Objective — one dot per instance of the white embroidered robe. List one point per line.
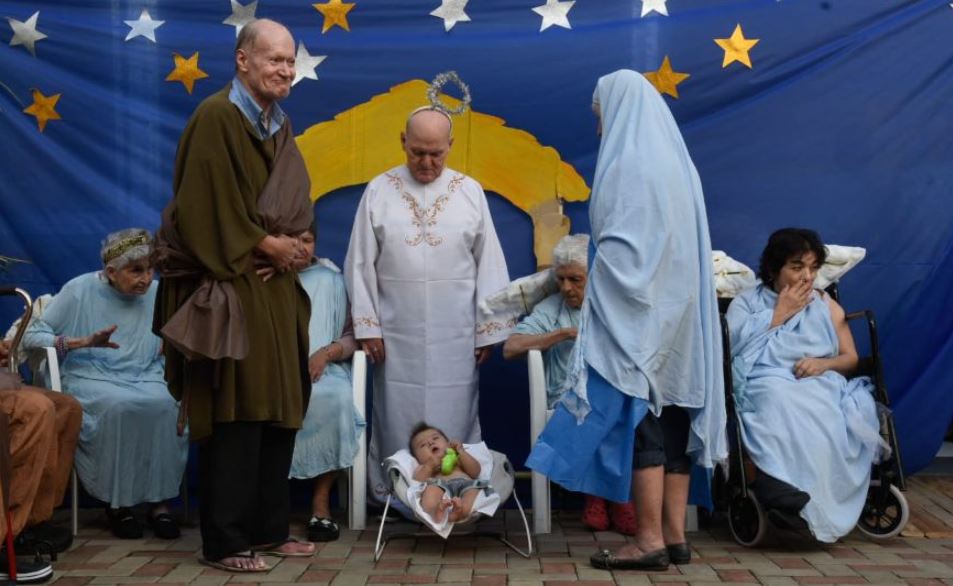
(421, 256)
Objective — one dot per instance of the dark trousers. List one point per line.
(244, 487)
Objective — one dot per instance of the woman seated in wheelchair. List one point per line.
(100, 324)
(811, 432)
(451, 475)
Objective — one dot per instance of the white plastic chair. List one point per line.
(56, 384)
(538, 416)
(357, 473)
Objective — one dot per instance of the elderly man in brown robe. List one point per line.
(230, 308)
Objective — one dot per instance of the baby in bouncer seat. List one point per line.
(450, 473)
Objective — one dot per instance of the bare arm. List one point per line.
(846, 360)
(346, 342)
(427, 470)
(467, 463)
(519, 344)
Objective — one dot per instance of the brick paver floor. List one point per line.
(561, 558)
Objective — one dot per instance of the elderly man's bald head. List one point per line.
(426, 142)
(265, 61)
(428, 120)
(254, 29)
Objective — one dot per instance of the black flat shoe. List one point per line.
(653, 561)
(321, 529)
(784, 519)
(124, 524)
(164, 526)
(679, 553)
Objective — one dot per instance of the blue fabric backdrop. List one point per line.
(843, 124)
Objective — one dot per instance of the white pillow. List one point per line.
(731, 277)
(840, 259)
(519, 297)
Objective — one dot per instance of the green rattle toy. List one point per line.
(449, 461)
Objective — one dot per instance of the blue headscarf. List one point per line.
(649, 322)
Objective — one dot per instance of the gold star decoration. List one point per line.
(736, 48)
(335, 13)
(666, 79)
(44, 108)
(186, 70)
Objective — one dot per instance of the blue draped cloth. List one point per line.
(329, 436)
(649, 332)
(594, 457)
(128, 452)
(649, 322)
(820, 433)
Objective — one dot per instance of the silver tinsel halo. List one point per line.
(433, 92)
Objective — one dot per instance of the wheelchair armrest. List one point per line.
(871, 365)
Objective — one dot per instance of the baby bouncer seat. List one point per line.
(496, 471)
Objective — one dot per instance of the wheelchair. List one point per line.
(886, 510)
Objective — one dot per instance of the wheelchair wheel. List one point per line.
(747, 520)
(887, 519)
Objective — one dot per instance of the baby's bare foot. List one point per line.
(442, 507)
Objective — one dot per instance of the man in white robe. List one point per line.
(423, 252)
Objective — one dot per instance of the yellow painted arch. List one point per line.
(364, 141)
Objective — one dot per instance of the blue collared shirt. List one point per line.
(249, 107)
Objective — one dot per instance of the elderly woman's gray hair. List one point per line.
(572, 249)
(125, 246)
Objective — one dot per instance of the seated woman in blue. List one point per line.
(329, 436)
(552, 327)
(101, 326)
(810, 431)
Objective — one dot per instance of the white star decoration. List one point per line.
(451, 11)
(554, 12)
(25, 33)
(143, 27)
(654, 6)
(241, 15)
(305, 63)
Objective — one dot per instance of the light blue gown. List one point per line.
(549, 315)
(820, 433)
(649, 323)
(332, 428)
(128, 452)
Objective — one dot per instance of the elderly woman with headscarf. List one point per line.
(648, 336)
(100, 324)
(551, 326)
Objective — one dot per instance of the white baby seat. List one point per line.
(495, 468)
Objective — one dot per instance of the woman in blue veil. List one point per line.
(645, 379)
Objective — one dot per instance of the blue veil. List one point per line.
(649, 325)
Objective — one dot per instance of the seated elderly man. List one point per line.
(101, 326)
(551, 327)
(43, 429)
(811, 432)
